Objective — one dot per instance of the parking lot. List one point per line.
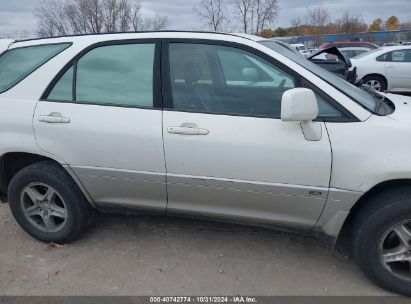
(122, 255)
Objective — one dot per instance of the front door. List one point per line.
(109, 130)
(227, 151)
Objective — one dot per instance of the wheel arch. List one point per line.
(12, 162)
(379, 75)
(364, 201)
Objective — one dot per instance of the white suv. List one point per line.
(204, 124)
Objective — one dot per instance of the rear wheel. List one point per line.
(47, 203)
(382, 240)
(376, 82)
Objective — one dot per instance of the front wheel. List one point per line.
(47, 203)
(382, 240)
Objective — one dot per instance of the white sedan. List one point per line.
(387, 69)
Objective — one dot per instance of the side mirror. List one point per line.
(250, 74)
(299, 104)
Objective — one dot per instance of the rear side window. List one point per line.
(17, 64)
(401, 56)
(63, 90)
(113, 75)
(383, 57)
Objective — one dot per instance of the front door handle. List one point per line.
(390, 67)
(54, 118)
(187, 130)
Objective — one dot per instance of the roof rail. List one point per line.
(132, 32)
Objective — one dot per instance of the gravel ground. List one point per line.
(148, 255)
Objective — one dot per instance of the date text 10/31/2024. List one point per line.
(236, 299)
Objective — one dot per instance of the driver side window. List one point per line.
(225, 80)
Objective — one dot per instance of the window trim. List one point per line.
(157, 96)
(20, 79)
(167, 87)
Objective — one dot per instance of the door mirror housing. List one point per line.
(299, 104)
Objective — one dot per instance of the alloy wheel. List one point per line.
(374, 84)
(395, 250)
(44, 207)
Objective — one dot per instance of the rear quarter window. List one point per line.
(16, 64)
(383, 57)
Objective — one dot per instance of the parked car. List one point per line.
(334, 61)
(390, 44)
(204, 124)
(312, 49)
(301, 48)
(349, 44)
(386, 69)
(330, 59)
(353, 51)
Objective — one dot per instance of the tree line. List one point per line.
(318, 22)
(67, 17)
(258, 16)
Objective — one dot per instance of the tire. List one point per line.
(376, 82)
(375, 235)
(47, 203)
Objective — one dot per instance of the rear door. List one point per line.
(228, 153)
(103, 118)
(398, 69)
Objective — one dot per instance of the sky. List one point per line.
(19, 15)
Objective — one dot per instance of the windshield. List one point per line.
(360, 96)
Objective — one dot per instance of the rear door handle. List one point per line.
(54, 118)
(390, 67)
(183, 130)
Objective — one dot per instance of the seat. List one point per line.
(194, 95)
(184, 95)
